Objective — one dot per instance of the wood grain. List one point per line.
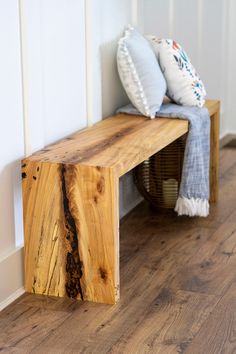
(71, 231)
(120, 142)
(214, 158)
(95, 205)
(217, 335)
(71, 203)
(44, 227)
(161, 309)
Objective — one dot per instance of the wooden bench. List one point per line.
(71, 204)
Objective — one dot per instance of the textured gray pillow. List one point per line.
(140, 73)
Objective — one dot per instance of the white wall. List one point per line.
(55, 33)
(70, 75)
(11, 150)
(108, 21)
(230, 64)
(202, 28)
(56, 105)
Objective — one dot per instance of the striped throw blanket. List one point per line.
(193, 199)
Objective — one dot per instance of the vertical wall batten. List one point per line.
(24, 76)
(171, 17)
(200, 34)
(135, 13)
(89, 61)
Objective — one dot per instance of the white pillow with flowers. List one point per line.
(184, 86)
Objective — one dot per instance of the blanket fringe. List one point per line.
(192, 206)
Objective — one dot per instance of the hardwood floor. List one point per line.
(178, 290)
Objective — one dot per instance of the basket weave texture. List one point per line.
(158, 178)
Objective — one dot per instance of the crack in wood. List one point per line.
(73, 262)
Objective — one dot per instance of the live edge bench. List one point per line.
(71, 204)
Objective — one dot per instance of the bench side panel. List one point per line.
(71, 231)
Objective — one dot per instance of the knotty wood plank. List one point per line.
(71, 204)
(210, 271)
(172, 319)
(24, 327)
(120, 142)
(14, 350)
(71, 231)
(46, 245)
(145, 271)
(217, 335)
(226, 161)
(155, 248)
(53, 303)
(95, 198)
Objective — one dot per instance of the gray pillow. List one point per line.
(140, 73)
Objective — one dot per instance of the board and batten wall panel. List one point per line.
(11, 132)
(230, 64)
(115, 15)
(202, 28)
(185, 26)
(108, 20)
(61, 52)
(11, 150)
(72, 75)
(63, 68)
(214, 54)
(55, 59)
(154, 17)
(55, 97)
(32, 65)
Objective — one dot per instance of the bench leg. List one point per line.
(214, 157)
(98, 210)
(71, 231)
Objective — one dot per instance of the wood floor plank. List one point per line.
(227, 160)
(25, 327)
(14, 350)
(210, 270)
(148, 270)
(218, 334)
(172, 320)
(178, 288)
(49, 302)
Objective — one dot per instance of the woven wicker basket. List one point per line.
(158, 178)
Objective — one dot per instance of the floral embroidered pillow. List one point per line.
(184, 86)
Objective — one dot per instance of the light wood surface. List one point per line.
(120, 142)
(214, 158)
(45, 245)
(71, 231)
(177, 286)
(70, 193)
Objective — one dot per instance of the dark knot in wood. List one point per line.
(73, 263)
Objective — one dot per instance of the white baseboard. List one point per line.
(11, 298)
(11, 276)
(224, 139)
(131, 206)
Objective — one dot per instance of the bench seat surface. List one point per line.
(71, 202)
(120, 142)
